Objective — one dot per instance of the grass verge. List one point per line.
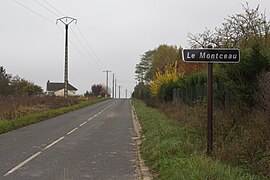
(173, 151)
(9, 125)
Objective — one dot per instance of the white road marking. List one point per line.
(72, 131)
(90, 119)
(53, 143)
(83, 123)
(22, 163)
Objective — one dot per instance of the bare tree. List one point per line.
(202, 40)
(237, 30)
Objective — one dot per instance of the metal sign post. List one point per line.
(210, 56)
(210, 110)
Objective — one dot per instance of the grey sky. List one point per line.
(118, 31)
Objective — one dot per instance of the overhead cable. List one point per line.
(85, 48)
(54, 8)
(35, 12)
(87, 42)
(45, 7)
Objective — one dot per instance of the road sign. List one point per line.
(211, 55)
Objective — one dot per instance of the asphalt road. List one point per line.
(91, 143)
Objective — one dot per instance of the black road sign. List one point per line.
(211, 55)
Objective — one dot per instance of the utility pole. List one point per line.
(126, 93)
(119, 91)
(113, 86)
(107, 71)
(66, 21)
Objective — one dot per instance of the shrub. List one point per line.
(171, 75)
(142, 91)
(166, 91)
(243, 77)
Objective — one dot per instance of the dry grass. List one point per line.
(241, 135)
(244, 140)
(174, 151)
(12, 107)
(33, 116)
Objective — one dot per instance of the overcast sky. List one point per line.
(110, 34)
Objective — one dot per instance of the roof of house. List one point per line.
(55, 86)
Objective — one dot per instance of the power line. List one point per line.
(77, 49)
(90, 47)
(45, 7)
(74, 46)
(94, 56)
(54, 8)
(71, 42)
(60, 29)
(33, 11)
(85, 48)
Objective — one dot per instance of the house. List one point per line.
(57, 89)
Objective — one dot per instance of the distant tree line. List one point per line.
(16, 86)
(97, 90)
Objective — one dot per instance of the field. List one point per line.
(13, 107)
(16, 112)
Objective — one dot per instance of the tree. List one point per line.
(16, 86)
(87, 94)
(163, 56)
(243, 77)
(202, 40)
(142, 91)
(25, 88)
(5, 88)
(237, 31)
(189, 68)
(156, 60)
(98, 90)
(249, 32)
(144, 71)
